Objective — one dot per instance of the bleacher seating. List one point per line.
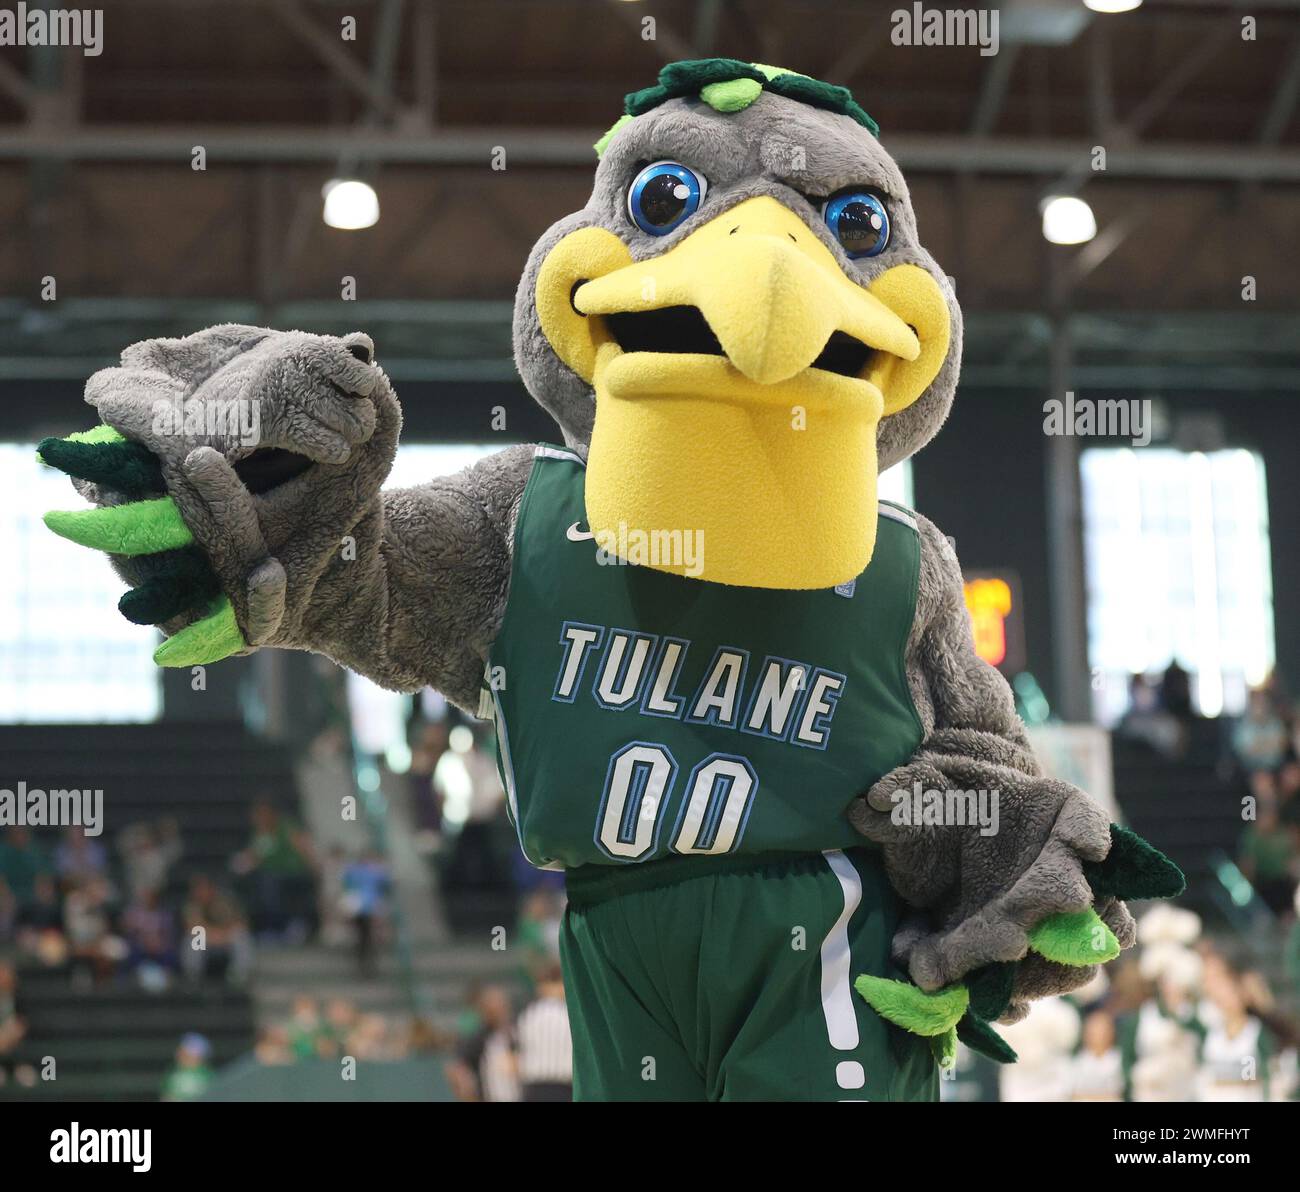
(117, 1041)
(1190, 807)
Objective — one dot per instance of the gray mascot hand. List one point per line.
(986, 890)
(228, 468)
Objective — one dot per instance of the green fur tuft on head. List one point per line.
(732, 96)
(601, 145)
(729, 85)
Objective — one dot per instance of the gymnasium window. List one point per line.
(1177, 555)
(66, 653)
(895, 484)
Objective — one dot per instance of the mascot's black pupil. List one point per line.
(860, 227)
(663, 199)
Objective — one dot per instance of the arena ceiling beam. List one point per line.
(1196, 161)
(457, 342)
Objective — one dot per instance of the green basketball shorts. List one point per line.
(730, 979)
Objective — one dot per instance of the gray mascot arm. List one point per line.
(980, 889)
(237, 475)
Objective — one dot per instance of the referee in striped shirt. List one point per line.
(545, 1045)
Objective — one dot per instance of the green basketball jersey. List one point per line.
(642, 714)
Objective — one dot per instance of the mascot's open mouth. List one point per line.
(684, 329)
(750, 306)
(270, 467)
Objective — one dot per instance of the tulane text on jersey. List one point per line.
(787, 701)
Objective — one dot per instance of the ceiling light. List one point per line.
(1067, 220)
(1112, 5)
(350, 204)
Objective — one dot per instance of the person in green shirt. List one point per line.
(1267, 854)
(22, 862)
(278, 862)
(191, 1076)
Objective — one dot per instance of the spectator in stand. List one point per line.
(223, 949)
(38, 927)
(1176, 692)
(429, 743)
(1236, 1053)
(538, 934)
(484, 1068)
(8, 914)
(1146, 721)
(148, 853)
(13, 1029)
(88, 926)
(278, 863)
(371, 1040)
(341, 1021)
(22, 861)
(150, 933)
(1261, 741)
(545, 1045)
(1267, 854)
(1291, 954)
(366, 886)
(79, 857)
(272, 1047)
(472, 796)
(191, 1075)
(1097, 1071)
(308, 1035)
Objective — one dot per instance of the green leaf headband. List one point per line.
(728, 85)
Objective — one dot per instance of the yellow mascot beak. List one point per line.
(739, 378)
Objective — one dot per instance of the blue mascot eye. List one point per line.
(860, 222)
(663, 195)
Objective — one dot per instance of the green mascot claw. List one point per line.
(990, 989)
(913, 1009)
(1133, 869)
(979, 1036)
(944, 1048)
(169, 584)
(172, 575)
(1080, 938)
(943, 1017)
(137, 528)
(104, 457)
(215, 637)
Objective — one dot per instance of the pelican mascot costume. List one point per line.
(735, 694)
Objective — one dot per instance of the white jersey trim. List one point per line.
(508, 769)
(542, 451)
(902, 516)
(837, 974)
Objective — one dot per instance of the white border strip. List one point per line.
(897, 515)
(541, 451)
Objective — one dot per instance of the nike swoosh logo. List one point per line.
(573, 534)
